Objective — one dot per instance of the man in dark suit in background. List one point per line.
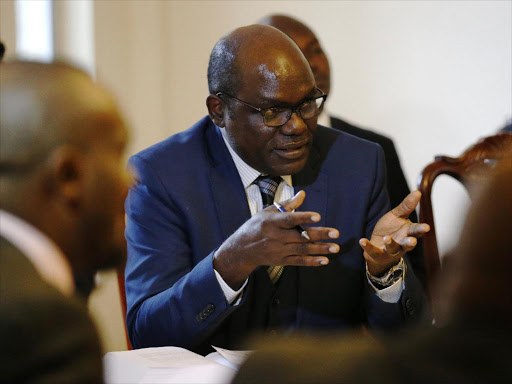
(471, 343)
(395, 179)
(61, 218)
(200, 241)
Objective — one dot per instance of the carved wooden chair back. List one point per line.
(470, 168)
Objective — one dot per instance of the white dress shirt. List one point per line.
(43, 253)
(284, 192)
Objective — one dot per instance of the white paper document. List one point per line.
(163, 365)
(233, 359)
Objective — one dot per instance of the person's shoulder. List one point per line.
(43, 333)
(363, 133)
(180, 145)
(23, 289)
(326, 139)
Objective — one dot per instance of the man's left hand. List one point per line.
(393, 236)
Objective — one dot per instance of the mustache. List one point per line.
(295, 143)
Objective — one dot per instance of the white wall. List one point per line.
(435, 76)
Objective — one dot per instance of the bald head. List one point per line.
(252, 50)
(286, 24)
(45, 105)
(61, 160)
(308, 43)
(258, 68)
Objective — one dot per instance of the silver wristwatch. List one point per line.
(390, 277)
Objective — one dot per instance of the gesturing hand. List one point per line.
(393, 236)
(270, 238)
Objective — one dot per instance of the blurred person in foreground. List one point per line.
(61, 217)
(211, 260)
(472, 341)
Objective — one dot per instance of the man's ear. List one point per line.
(216, 109)
(66, 175)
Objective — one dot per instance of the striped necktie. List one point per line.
(268, 187)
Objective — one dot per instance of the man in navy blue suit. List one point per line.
(208, 264)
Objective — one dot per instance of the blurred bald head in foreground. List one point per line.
(472, 341)
(62, 188)
(61, 148)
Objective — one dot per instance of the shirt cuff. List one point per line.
(392, 293)
(229, 293)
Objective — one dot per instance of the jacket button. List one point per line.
(409, 305)
(207, 311)
(209, 308)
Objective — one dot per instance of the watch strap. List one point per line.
(394, 274)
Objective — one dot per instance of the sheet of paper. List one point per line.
(216, 356)
(165, 363)
(235, 357)
(212, 374)
(163, 357)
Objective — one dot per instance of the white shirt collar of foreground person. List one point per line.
(43, 253)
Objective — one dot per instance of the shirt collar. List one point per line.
(247, 173)
(44, 254)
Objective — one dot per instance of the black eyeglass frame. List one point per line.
(295, 109)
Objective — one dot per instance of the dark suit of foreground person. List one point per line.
(61, 218)
(472, 343)
(189, 217)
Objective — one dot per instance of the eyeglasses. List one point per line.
(277, 116)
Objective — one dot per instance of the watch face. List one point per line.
(395, 275)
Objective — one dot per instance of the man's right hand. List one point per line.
(269, 238)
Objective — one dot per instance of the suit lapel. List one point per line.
(315, 184)
(228, 191)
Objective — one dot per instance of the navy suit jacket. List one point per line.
(396, 183)
(188, 199)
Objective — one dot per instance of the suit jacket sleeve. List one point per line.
(409, 308)
(172, 298)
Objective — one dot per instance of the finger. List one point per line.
(408, 243)
(405, 208)
(312, 248)
(370, 251)
(295, 202)
(417, 229)
(322, 233)
(392, 248)
(292, 219)
(307, 261)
